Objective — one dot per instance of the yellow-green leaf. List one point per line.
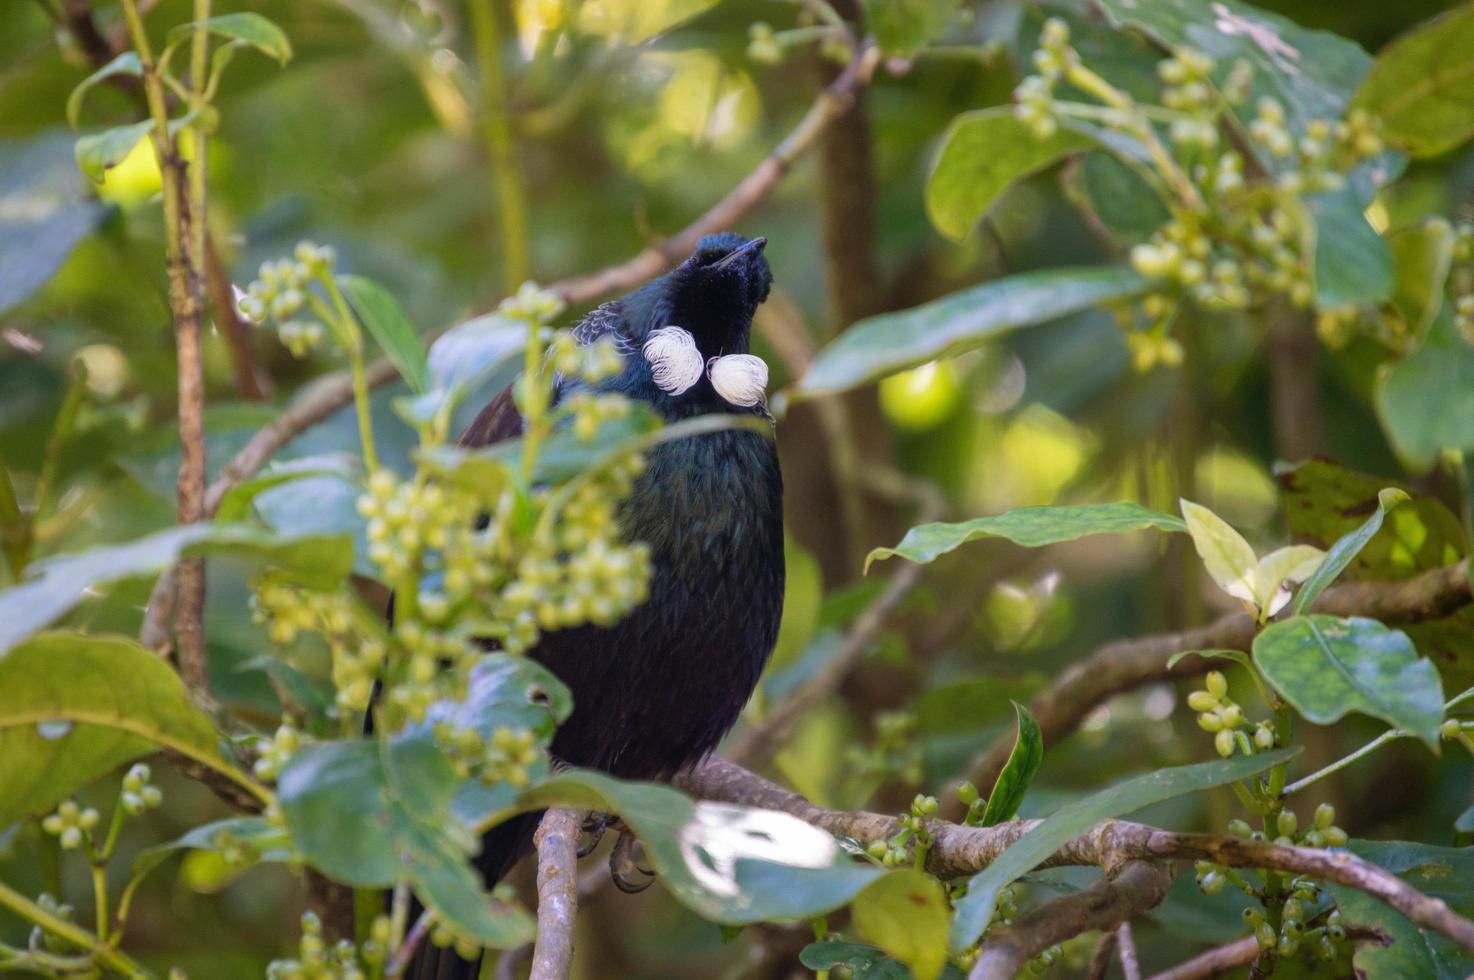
(906, 914)
(983, 154)
(76, 706)
(1229, 559)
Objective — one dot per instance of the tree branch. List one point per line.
(1108, 903)
(959, 851)
(1215, 962)
(1127, 664)
(557, 893)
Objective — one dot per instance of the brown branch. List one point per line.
(961, 851)
(1110, 902)
(832, 103)
(1215, 962)
(1130, 962)
(1124, 665)
(251, 379)
(557, 893)
(412, 940)
(1100, 960)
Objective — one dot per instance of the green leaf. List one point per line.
(250, 28)
(504, 692)
(1120, 200)
(255, 838)
(983, 153)
(1032, 527)
(1069, 821)
(1274, 572)
(126, 63)
(892, 342)
(906, 914)
(1421, 256)
(1228, 558)
(59, 583)
(1327, 666)
(1353, 264)
(469, 351)
(1237, 656)
(1310, 73)
(99, 152)
(318, 504)
(1324, 501)
(37, 236)
(76, 707)
(903, 27)
(391, 834)
(237, 503)
(1422, 85)
(728, 864)
(1439, 872)
(385, 320)
(1013, 782)
(1426, 400)
(1345, 550)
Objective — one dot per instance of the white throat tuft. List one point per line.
(675, 362)
(741, 379)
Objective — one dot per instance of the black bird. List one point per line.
(655, 693)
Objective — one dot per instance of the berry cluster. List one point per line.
(1238, 230)
(281, 290)
(910, 844)
(316, 960)
(1221, 715)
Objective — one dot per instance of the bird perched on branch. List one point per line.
(655, 693)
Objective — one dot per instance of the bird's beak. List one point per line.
(756, 245)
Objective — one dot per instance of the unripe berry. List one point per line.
(1217, 684)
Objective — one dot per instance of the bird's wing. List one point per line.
(601, 321)
(500, 420)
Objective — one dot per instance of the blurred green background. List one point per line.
(631, 118)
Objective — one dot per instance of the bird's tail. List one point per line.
(501, 848)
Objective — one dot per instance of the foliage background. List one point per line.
(369, 142)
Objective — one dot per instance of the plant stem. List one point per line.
(501, 148)
(15, 528)
(1086, 79)
(351, 338)
(99, 898)
(61, 433)
(183, 241)
(57, 926)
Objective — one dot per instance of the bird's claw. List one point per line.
(594, 826)
(625, 869)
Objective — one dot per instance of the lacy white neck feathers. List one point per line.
(676, 365)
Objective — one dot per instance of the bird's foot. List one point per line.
(594, 827)
(626, 865)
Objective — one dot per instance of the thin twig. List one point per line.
(251, 379)
(1130, 962)
(960, 851)
(557, 893)
(1140, 885)
(1100, 960)
(1124, 665)
(1215, 962)
(400, 961)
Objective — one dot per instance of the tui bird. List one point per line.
(656, 692)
